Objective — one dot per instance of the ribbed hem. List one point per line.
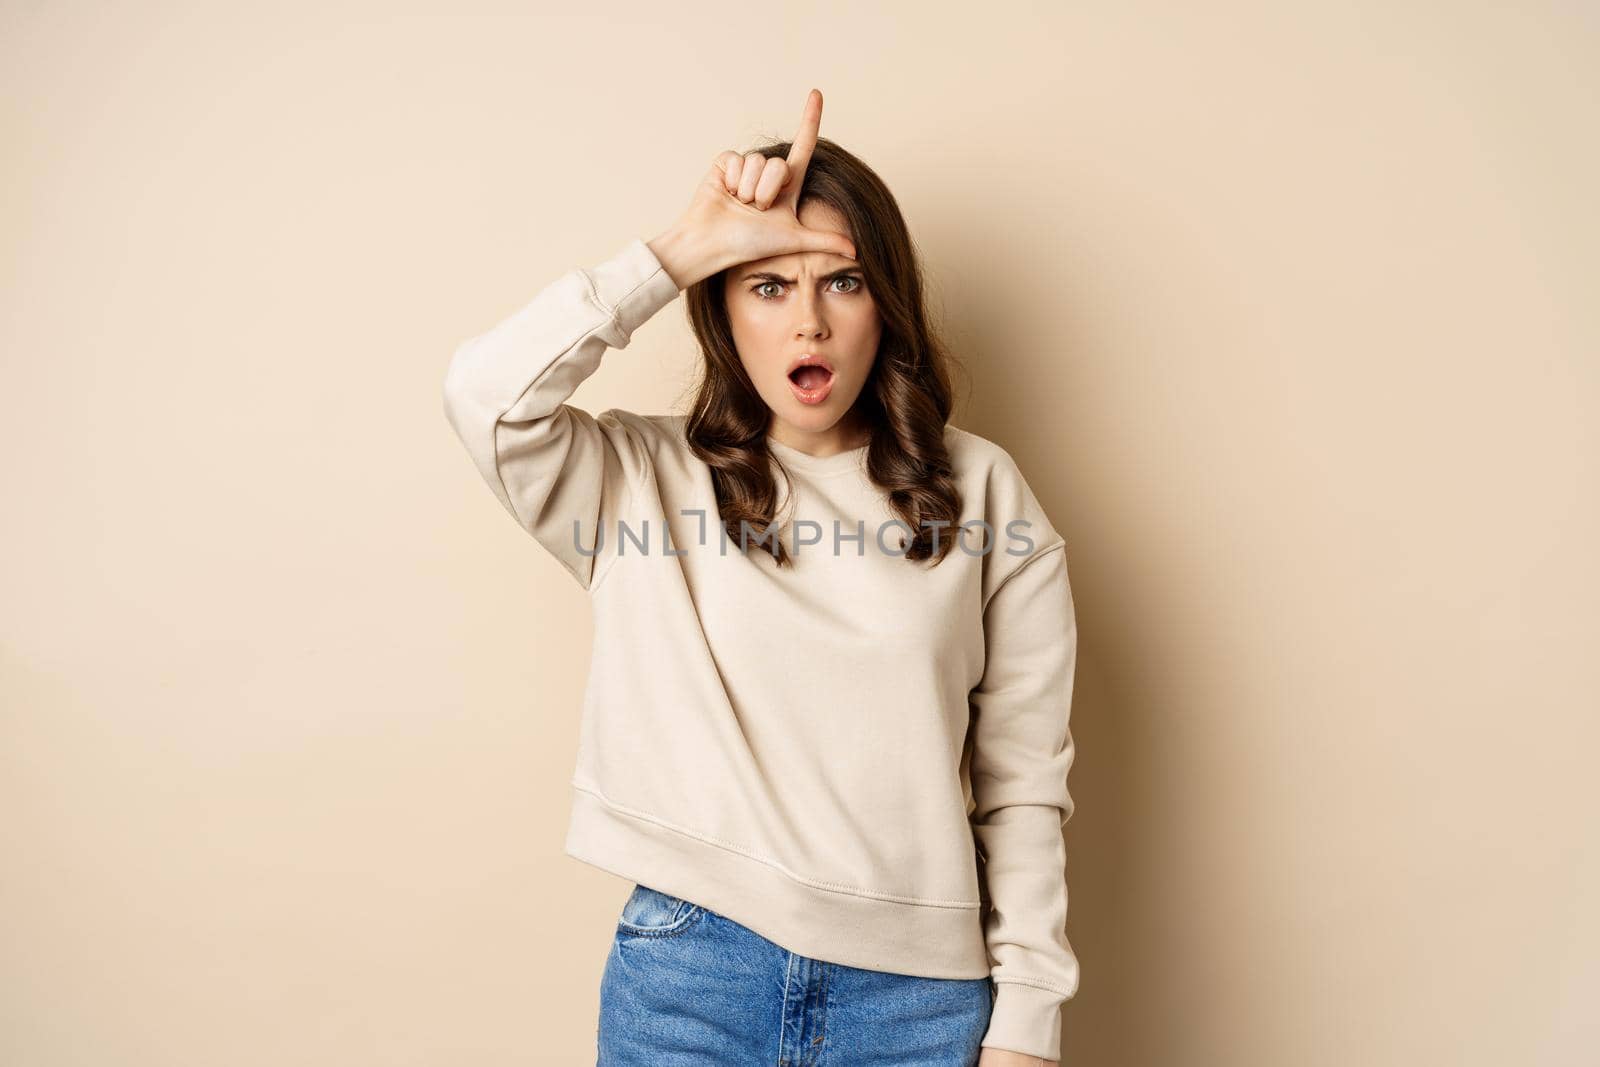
(631, 285)
(932, 941)
(1026, 1019)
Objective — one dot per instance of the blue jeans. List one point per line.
(687, 987)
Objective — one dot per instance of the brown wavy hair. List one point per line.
(905, 402)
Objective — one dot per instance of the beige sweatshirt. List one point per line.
(812, 752)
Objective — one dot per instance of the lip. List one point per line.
(808, 359)
(819, 394)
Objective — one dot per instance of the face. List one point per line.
(805, 303)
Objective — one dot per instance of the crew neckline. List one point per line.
(837, 463)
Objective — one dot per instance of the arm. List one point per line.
(551, 464)
(562, 473)
(1022, 750)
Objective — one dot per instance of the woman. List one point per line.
(809, 699)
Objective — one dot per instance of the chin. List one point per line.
(815, 417)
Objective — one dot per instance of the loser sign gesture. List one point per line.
(747, 208)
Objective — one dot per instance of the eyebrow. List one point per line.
(772, 277)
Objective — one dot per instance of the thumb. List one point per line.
(809, 240)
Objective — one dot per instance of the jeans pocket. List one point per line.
(652, 913)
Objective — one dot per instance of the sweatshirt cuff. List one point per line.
(1025, 1019)
(632, 285)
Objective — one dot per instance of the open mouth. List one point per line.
(811, 377)
(811, 383)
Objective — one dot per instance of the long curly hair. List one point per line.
(905, 402)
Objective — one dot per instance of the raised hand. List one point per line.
(746, 208)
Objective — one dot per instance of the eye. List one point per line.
(855, 286)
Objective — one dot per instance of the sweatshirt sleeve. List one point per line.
(1022, 750)
(560, 472)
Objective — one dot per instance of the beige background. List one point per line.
(1287, 312)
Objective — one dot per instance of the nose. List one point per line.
(811, 324)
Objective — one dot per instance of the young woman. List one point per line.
(825, 731)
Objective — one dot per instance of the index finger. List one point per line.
(805, 139)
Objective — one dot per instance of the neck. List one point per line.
(844, 436)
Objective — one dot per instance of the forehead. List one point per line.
(814, 215)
